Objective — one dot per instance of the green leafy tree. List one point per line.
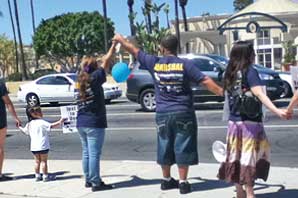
(149, 42)
(65, 39)
(7, 61)
(240, 4)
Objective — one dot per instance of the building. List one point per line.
(269, 24)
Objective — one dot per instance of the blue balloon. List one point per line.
(120, 72)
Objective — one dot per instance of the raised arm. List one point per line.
(57, 123)
(212, 86)
(106, 59)
(126, 45)
(11, 109)
(258, 92)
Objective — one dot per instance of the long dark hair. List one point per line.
(241, 57)
(89, 65)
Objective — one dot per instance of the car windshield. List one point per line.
(74, 77)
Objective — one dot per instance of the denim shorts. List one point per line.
(177, 138)
(40, 152)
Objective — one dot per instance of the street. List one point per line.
(131, 134)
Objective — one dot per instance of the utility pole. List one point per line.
(104, 6)
(177, 25)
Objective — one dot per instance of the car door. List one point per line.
(45, 89)
(64, 89)
(213, 70)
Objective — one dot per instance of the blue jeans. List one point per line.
(92, 140)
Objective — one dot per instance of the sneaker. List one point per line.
(167, 185)
(88, 184)
(37, 179)
(101, 187)
(5, 178)
(46, 179)
(184, 188)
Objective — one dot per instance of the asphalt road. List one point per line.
(131, 135)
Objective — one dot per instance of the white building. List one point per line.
(267, 23)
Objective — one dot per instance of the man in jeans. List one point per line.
(175, 114)
(5, 101)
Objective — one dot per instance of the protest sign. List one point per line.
(70, 114)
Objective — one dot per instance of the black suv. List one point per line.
(140, 87)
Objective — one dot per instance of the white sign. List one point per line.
(294, 73)
(70, 114)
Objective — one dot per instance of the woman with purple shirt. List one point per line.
(248, 149)
(92, 118)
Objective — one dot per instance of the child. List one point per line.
(38, 129)
(293, 103)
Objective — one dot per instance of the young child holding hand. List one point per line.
(38, 129)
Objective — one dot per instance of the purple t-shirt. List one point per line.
(92, 113)
(172, 77)
(252, 80)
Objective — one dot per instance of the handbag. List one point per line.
(248, 104)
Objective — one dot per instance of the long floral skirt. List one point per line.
(248, 153)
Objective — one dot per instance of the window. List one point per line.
(264, 57)
(263, 37)
(205, 64)
(53, 80)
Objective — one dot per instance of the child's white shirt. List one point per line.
(38, 131)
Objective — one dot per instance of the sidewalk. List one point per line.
(134, 179)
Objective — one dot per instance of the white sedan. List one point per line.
(56, 88)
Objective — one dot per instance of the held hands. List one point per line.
(284, 113)
(289, 113)
(18, 122)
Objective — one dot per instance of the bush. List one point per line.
(42, 72)
(15, 77)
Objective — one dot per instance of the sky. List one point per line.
(117, 10)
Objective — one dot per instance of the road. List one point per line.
(131, 135)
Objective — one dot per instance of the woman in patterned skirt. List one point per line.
(248, 149)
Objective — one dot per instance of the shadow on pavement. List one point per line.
(208, 184)
(283, 193)
(136, 181)
(53, 176)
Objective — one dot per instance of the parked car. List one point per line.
(289, 88)
(57, 88)
(140, 87)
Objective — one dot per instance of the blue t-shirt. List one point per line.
(92, 112)
(252, 79)
(172, 77)
(3, 92)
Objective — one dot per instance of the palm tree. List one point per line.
(104, 6)
(14, 37)
(34, 29)
(148, 7)
(131, 16)
(24, 71)
(167, 10)
(183, 3)
(177, 24)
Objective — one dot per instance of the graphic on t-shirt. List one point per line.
(169, 77)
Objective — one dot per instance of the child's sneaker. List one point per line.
(167, 185)
(46, 179)
(37, 179)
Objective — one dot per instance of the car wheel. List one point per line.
(32, 99)
(287, 93)
(147, 100)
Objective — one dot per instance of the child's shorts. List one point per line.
(40, 152)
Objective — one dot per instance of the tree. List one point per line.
(67, 38)
(147, 13)
(149, 42)
(34, 28)
(24, 71)
(167, 11)
(131, 16)
(6, 55)
(14, 37)
(104, 6)
(240, 4)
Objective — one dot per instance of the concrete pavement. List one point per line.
(134, 179)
